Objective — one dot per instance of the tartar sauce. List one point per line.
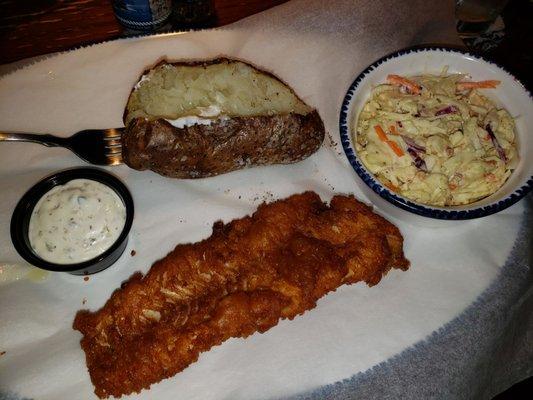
(76, 222)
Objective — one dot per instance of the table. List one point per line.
(29, 31)
(32, 28)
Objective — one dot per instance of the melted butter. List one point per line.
(16, 272)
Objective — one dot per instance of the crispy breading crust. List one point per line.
(248, 275)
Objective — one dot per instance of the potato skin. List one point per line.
(226, 145)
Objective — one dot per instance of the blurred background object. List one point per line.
(34, 27)
(142, 15)
(193, 14)
(30, 28)
(475, 16)
(139, 17)
(506, 36)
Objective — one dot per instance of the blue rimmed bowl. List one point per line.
(510, 94)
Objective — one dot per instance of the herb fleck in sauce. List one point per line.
(76, 222)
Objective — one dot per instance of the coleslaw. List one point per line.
(436, 139)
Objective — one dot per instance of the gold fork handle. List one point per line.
(44, 139)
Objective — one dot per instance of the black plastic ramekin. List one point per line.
(20, 221)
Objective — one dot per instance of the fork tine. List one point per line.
(116, 150)
(113, 146)
(112, 133)
(113, 143)
(96, 146)
(113, 151)
(114, 159)
(106, 138)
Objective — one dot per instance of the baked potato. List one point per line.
(200, 119)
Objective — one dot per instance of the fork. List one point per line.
(96, 146)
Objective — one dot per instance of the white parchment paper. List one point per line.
(318, 48)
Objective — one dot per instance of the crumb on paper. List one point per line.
(84, 301)
(335, 145)
(331, 141)
(85, 278)
(329, 184)
(133, 252)
(2, 353)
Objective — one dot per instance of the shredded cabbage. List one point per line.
(443, 146)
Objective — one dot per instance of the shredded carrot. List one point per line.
(381, 133)
(397, 149)
(477, 85)
(392, 187)
(452, 186)
(401, 81)
(383, 137)
(393, 130)
(490, 177)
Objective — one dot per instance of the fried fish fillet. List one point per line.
(244, 278)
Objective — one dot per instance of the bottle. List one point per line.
(142, 15)
(193, 14)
